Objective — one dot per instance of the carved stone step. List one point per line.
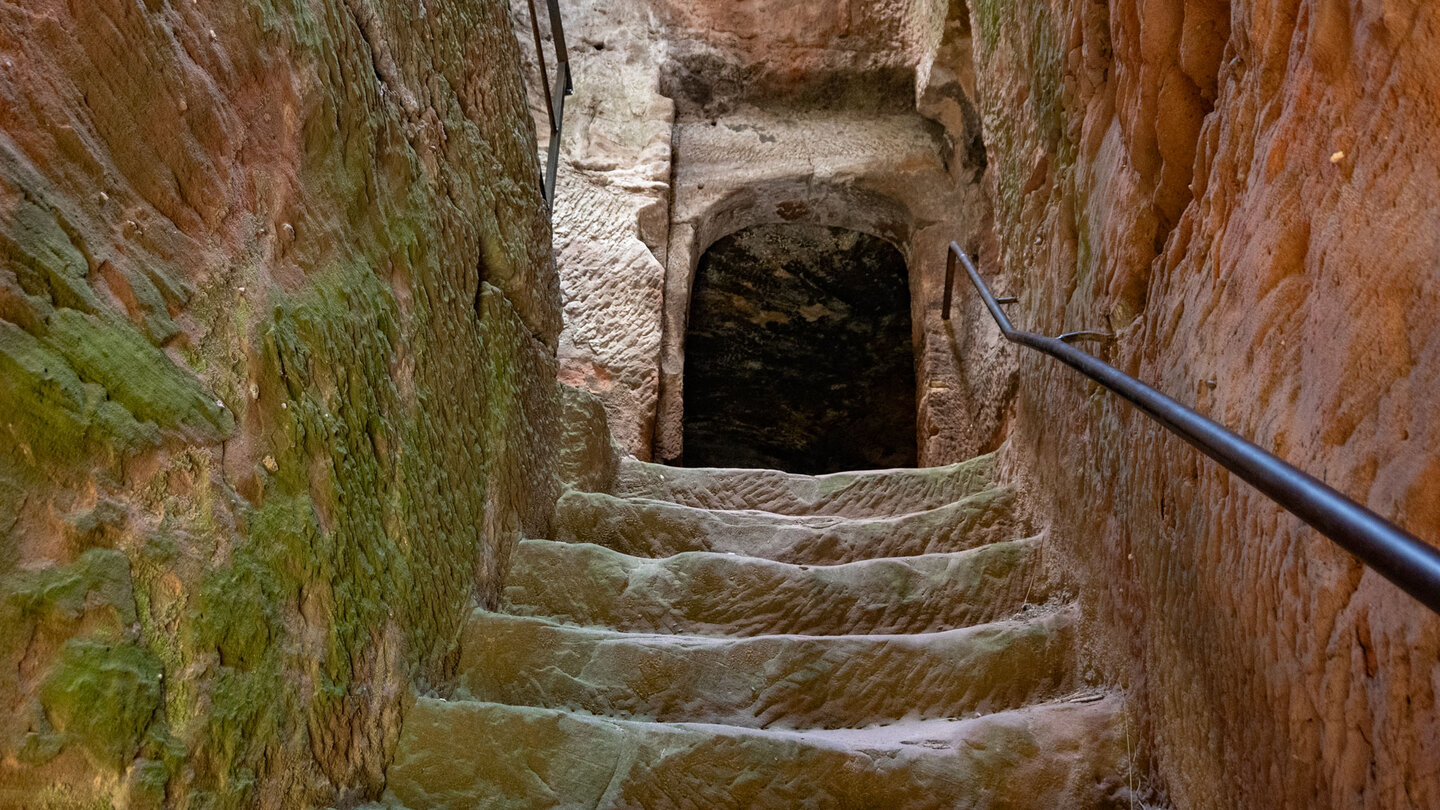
(708, 593)
(872, 493)
(650, 528)
(891, 644)
(464, 754)
(784, 681)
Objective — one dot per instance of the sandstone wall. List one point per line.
(855, 52)
(612, 204)
(277, 385)
(1244, 192)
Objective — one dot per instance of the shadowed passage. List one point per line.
(798, 355)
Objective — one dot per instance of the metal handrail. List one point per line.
(1397, 555)
(555, 93)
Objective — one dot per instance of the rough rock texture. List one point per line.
(461, 754)
(713, 593)
(647, 527)
(862, 53)
(1245, 192)
(798, 353)
(851, 494)
(805, 682)
(277, 331)
(586, 458)
(612, 206)
(734, 680)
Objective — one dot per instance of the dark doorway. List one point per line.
(798, 355)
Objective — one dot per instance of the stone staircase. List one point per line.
(754, 639)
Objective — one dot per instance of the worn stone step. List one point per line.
(781, 680)
(459, 755)
(706, 593)
(651, 528)
(871, 493)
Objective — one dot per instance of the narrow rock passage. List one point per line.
(710, 638)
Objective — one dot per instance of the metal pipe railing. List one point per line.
(555, 92)
(1397, 555)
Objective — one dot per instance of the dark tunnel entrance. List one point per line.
(798, 354)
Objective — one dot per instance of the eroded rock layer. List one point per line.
(712, 593)
(655, 528)
(848, 494)
(487, 755)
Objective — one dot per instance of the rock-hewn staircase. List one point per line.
(754, 639)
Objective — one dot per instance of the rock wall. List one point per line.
(278, 320)
(795, 54)
(612, 205)
(1244, 192)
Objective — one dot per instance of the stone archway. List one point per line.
(707, 213)
(886, 175)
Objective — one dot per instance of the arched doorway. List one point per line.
(798, 353)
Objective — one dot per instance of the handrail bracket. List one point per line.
(1074, 337)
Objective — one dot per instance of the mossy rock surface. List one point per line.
(278, 316)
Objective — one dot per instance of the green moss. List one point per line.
(100, 578)
(158, 612)
(335, 537)
(94, 527)
(155, 317)
(1047, 78)
(278, 17)
(92, 390)
(147, 786)
(248, 711)
(1037, 43)
(238, 607)
(237, 714)
(172, 290)
(81, 696)
(272, 599)
(54, 417)
(1011, 175)
(45, 261)
(137, 375)
(104, 696)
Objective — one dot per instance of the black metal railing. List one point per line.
(1399, 556)
(555, 92)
